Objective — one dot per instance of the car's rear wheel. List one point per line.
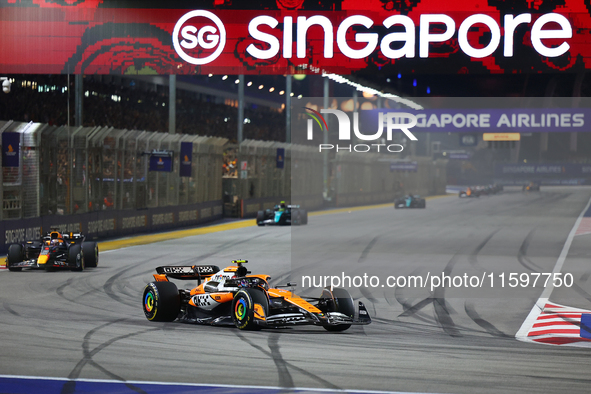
(15, 256)
(243, 308)
(303, 216)
(91, 254)
(161, 301)
(422, 204)
(338, 300)
(76, 258)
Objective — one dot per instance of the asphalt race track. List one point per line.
(90, 325)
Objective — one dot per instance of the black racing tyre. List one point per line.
(91, 254)
(339, 300)
(161, 301)
(243, 308)
(76, 258)
(296, 217)
(303, 216)
(260, 218)
(423, 204)
(15, 255)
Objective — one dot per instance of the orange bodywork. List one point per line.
(160, 278)
(259, 312)
(294, 299)
(198, 290)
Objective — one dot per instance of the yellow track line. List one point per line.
(150, 238)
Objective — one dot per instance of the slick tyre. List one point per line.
(243, 308)
(76, 258)
(260, 218)
(91, 254)
(161, 301)
(296, 217)
(304, 216)
(15, 255)
(423, 204)
(339, 300)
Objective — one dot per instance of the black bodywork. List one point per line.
(53, 251)
(410, 201)
(282, 216)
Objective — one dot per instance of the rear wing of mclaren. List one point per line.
(186, 272)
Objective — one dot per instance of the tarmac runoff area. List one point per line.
(74, 332)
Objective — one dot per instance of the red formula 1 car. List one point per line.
(230, 296)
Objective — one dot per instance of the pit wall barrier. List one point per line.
(108, 224)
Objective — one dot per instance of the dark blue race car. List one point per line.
(282, 215)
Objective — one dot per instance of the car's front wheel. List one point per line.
(338, 300)
(91, 254)
(260, 218)
(244, 308)
(15, 256)
(76, 258)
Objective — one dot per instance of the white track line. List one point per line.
(539, 305)
(230, 386)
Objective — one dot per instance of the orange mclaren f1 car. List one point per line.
(230, 296)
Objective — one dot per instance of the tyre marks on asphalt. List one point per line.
(442, 309)
(10, 310)
(489, 327)
(285, 379)
(282, 366)
(367, 249)
(473, 257)
(522, 254)
(87, 359)
(108, 286)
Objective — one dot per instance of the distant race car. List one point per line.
(410, 201)
(230, 296)
(281, 215)
(531, 187)
(469, 192)
(54, 251)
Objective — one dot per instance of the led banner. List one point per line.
(296, 36)
(505, 121)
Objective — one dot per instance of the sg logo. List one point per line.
(200, 33)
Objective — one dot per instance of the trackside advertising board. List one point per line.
(240, 37)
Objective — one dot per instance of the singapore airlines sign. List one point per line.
(199, 36)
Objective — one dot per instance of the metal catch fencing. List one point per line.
(73, 170)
